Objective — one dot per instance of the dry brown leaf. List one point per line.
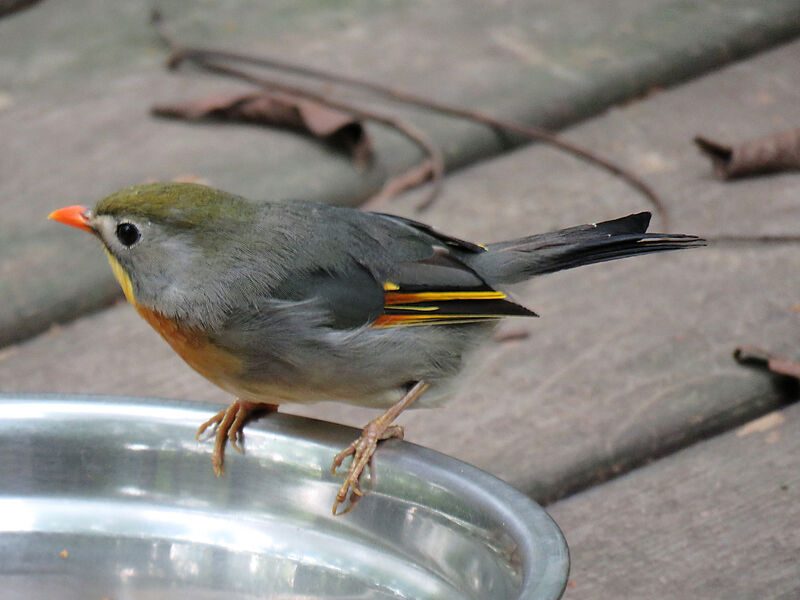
(334, 127)
(776, 364)
(775, 152)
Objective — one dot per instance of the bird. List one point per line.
(297, 301)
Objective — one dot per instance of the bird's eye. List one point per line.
(128, 234)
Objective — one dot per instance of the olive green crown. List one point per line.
(177, 204)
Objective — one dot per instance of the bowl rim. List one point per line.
(527, 523)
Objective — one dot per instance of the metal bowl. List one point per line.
(106, 497)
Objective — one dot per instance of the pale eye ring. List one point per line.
(128, 234)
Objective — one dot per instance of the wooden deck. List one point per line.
(671, 469)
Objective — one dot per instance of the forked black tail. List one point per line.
(520, 259)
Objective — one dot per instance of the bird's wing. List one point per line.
(421, 280)
(441, 290)
(429, 230)
(385, 271)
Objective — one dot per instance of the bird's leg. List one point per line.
(229, 423)
(364, 447)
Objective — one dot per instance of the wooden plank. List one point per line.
(76, 83)
(630, 360)
(718, 520)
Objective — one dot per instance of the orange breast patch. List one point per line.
(195, 348)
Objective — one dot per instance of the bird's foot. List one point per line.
(229, 423)
(364, 447)
(362, 450)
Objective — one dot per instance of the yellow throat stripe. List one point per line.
(122, 277)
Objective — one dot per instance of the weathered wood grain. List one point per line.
(77, 79)
(629, 361)
(718, 520)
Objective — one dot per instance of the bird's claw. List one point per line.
(234, 435)
(339, 458)
(362, 450)
(215, 420)
(217, 464)
(229, 423)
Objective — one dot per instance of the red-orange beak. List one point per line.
(77, 216)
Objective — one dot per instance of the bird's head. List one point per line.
(163, 240)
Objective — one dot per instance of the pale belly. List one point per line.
(359, 387)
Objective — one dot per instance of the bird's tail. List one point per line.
(520, 259)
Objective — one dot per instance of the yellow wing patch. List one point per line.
(392, 299)
(405, 309)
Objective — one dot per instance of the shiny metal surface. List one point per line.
(113, 498)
